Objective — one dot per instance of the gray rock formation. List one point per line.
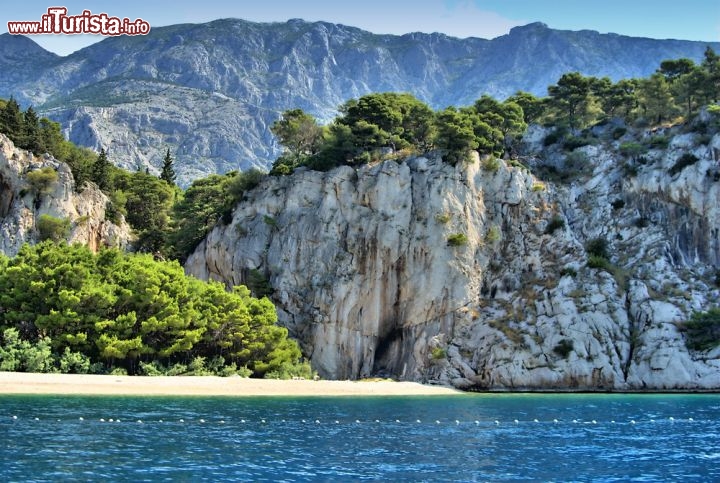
(21, 205)
(372, 279)
(209, 91)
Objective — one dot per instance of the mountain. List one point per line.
(210, 91)
(483, 276)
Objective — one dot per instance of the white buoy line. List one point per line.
(455, 422)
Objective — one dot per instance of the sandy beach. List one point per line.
(27, 383)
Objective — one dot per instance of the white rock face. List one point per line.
(21, 207)
(366, 279)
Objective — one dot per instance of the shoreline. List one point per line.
(91, 384)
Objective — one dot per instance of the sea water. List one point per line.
(474, 437)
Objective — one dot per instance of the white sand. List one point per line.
(26, 383)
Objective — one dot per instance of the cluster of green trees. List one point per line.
(41, 135)
(61, 303)
(389, 122)
(394, 122)
(678, 89)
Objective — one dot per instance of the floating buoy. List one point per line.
(14, 417)
(397, 420)
(222, 421)
(182, 420)
(632, 421)
(691, 419)
(139, 421)
(37, 419)
(102, 420)
(202, 421)
(417, 421)
(317, 421)
(262, 421)
(496, 422)
(555, 421)
(535, 421)
(81, 418)
(594, 422)
(516, 421)
(457, 422)
(671, 418)
(111, 420)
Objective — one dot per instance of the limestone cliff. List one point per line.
(22, 204)
(477, 275)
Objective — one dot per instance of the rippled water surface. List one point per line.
(466, 438)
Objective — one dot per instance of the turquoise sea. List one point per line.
(474, 437)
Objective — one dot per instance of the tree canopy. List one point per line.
(120, 310)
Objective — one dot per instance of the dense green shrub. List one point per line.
(702, 331)
(556, 223)
(457, 239)
(52, 228)
(564, 348)
(120, 310)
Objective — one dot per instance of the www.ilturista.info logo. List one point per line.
(57, 21)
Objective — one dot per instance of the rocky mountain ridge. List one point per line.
(480, 275)
(210, 91)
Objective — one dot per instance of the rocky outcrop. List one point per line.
(477, 275)
(209, 91)
(22, 203)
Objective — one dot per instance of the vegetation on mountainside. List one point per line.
(111, 310)
(702, 331)
(375, 126)
(63, 308)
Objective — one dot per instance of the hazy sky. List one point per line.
(679, 19)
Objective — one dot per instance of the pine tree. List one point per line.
(11, 120)
(32, 135)
(168, 173)
(101, 171)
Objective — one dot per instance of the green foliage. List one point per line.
(597, 247)
(658, 142)
(618, 204)
(573, 100)
(564, 348)
(493, 234)
(687, 159)
(438, 353)
(52, 228)
(601, 263)
(168, 171)
(286, 371)
(258, 284)
(41, 181)
(702, 331)
(632, 150)
(455, 135)
(568, 271)
(146, 202)
(573, 142)
(443, 217)
(20, 355)
(556, 223)
(491, 164)
(205, 203)
(457, 239)
(101, 171)
(120, 310)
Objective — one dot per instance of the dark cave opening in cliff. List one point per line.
(386, 353)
